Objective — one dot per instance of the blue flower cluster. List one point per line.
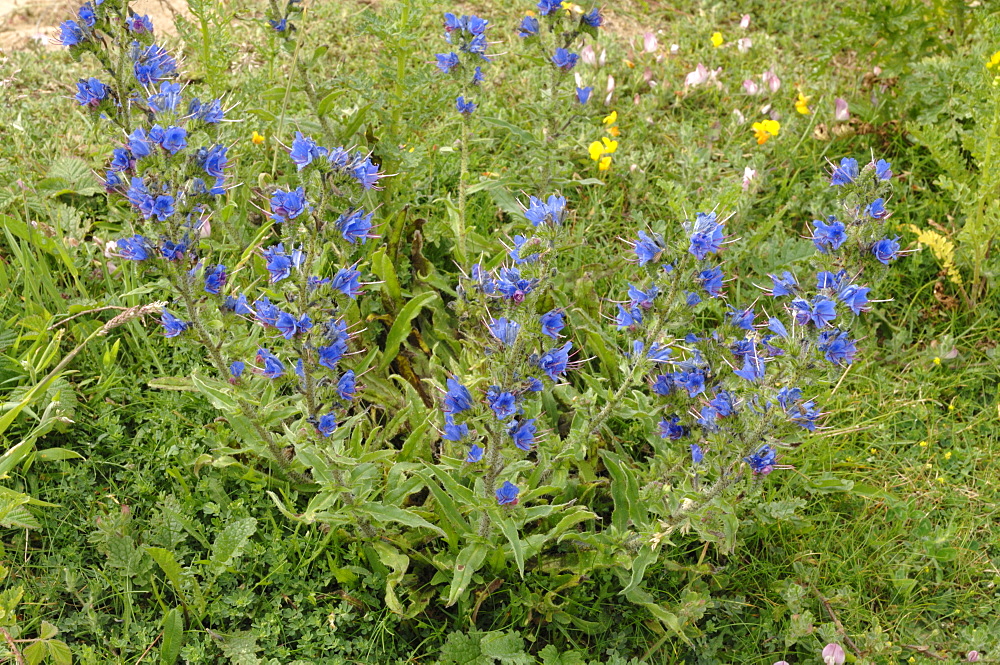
(468, 35)
(358, 166)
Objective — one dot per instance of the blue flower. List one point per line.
(647, 248)
(659, 354)
(327, 424)
(278, 264)
(829, 235)
(640, 298)
(86, 14)
(152, 64)
(663, 384)
(883, 170)
(552, 323)
(453, 432)
(265, 311)
(788, 396)
(753, 366)
(505, 331)
(163, 207)
(836, 347)
(507, 494)
(167, 98)
(477, 76)
(593, 18)
(805, 415)
(820, 312)
(551, 211)
(236, 369)
(511, 285)
(121, 160)
(777, 327)
(304, 150)
(365, 171)
(347, 282)
(691, 298)
(347, 385)
(628, 317)
(71, 34)
(172, 326)
(288, 205)
(139, 24)
(762, 461)
(876, 209)
(135, 248)
(447, 61)
(555, 361)
(706, 236)
(784, 285)
(457, 398)
(502, 403)
(583, 94)
(331, 354)
(90, 92)
(273, 368)
(741, 318)
(213, 160)
(453, 23)
(355, 225)
(528, 27)
(830, 280)
(289, 327)
(215, 279)
(464, 107)
(475, 454)
(723, 403)
(845, 173)
(692, 380)
(549, 7)
(112, 182)
(697, 455)
(886, 250)
(711, 280)
(475, 25)
(855, 297)
(174, 251)
(238, 305)
(564, 60)
(707, 417)
(534, 385)
(139, 144)
(523, 433)
(174, 139)
(279, 25)
(210, 113)
(671, 429)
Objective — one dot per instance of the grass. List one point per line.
(883, 537)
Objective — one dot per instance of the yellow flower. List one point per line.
(596, 150)
(937, 361)
(613, 131)
(257, 138)
(529, 13)
(612, 118)
(765, 129)
(601, 151)
(604, 164)
(572, 8)
(993, 61)
(629, 63)
(923, 444)
(609, 145)
(947, 455)
(943, 250)
(802, 104)
(717, 39)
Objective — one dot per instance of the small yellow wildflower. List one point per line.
(572, 8)
(765, 129)
(611, 118)
(717, 39)
(613, 131)
(629, 63)
(922, 444)
(951, 407)
(941, 479)
(802, 104)
(601, 151)
(530, 13)
(257, 138)
(604, 164)
(943, 250)
(937, 361)
(947, 455)
(993, 61)
(873, 450)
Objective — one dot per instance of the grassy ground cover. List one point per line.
(883, 536)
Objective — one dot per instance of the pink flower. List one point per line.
(972, 656)
(833, 654)
(588, 56)
(751, 87)
(611, 90)
(745, 23)
(697, 77)
(743, 44)
(649, 43)
(748, 175)
(840, 111)
(739, 117)
(771, 80)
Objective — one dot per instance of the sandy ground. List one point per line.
(24, 23)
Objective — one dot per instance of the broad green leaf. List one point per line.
(229, 545)
(398, 562)
(172, 383)
(646, 556)
(401, 327)
(513, 537)
(467, 563)
(59, 652)
(218, 393)
(619, 490)
(173, 636)
(382, 513)
(54, 454)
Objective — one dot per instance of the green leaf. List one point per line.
(217, 392)
(622, 482)
(35, 653)
(516, 547)
(60, 652)
(54, 454)
(386, 273)
(398, 562)
(524, 138)
(467, 563)
(173, 636)
(172, 383)
(827, 483)
(326, 103)
(646, 556)
(508, 648)
(47, 631)
(382, 513)
(401, 327)
(229, 545)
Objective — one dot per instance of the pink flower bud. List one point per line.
(745, 23)
(751, 87)
(588, 56)
(748, 175)
(743, 44)
(833, 654)
(611, 90)
(649, 43)
(972, 656)
(840, 111)
(772, 80)
(603, 58)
